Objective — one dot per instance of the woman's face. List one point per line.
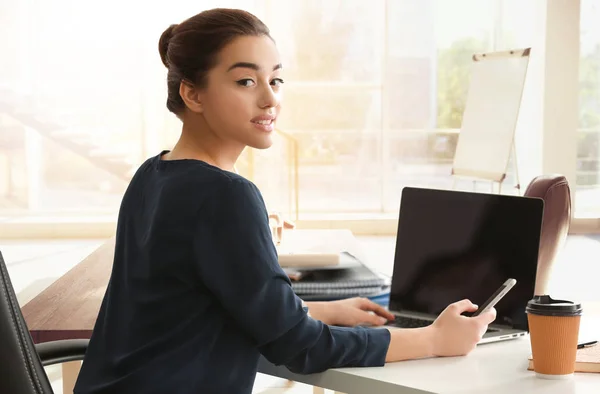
(242, 98)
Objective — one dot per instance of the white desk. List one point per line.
(496, 368)
(491, 368)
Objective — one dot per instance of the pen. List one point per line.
(586, 344)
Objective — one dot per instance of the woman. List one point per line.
(196, 292)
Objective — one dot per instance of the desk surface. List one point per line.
(492, 368)
(68, 309)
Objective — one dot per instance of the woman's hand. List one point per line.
(457, 335)
(450, 335)
(349, 312)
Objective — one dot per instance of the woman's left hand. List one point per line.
(349, 312)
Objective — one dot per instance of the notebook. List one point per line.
(337, 280)
(379, 295)
(588, 360)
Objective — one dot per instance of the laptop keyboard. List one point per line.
(409, 322)
(413, 322)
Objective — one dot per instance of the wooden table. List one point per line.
(68, 308)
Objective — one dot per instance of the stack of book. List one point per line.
(322, 266)
(346, 279)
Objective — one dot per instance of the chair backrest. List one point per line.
(555, 191)
(20, 366)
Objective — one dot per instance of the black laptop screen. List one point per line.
(453, 245)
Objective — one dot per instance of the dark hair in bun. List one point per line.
(189, 49)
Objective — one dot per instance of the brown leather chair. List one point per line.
(554, 190)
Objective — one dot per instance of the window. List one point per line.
(374, 97)
(430, 44)
(333, 99)
(588, 137)
(82, 102)
(375, 101)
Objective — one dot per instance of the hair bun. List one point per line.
(163, 44)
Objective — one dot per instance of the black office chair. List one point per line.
(22, 362)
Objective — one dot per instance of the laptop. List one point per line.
(453, 245)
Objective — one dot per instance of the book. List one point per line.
(308, 259)
(309, 249)
(588, 360)
(380, 295)
(346, 280)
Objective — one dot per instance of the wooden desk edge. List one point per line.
(40, 336)
(35, 311)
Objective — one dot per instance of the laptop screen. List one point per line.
(453, 245)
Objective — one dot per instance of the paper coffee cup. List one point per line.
(554, 331)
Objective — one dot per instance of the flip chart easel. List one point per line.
(486, 138)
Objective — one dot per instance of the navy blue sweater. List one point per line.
(196, 294)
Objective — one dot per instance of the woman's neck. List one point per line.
(203, 145)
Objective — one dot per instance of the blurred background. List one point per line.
(374, 97)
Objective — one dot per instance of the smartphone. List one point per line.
(497, 296)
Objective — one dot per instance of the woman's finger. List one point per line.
(368, 305)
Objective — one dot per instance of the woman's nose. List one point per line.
(269, 98)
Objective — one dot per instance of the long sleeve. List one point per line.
(241, 269)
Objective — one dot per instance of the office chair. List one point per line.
(554, 190)
(22, 362)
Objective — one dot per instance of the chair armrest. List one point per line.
(56, 352)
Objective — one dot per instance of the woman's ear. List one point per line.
(189, 95)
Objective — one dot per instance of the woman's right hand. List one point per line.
(456, 335)
(451, 334)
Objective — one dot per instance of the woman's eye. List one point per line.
(245, 82)
(277, 82)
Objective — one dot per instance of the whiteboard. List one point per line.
(490, 117)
